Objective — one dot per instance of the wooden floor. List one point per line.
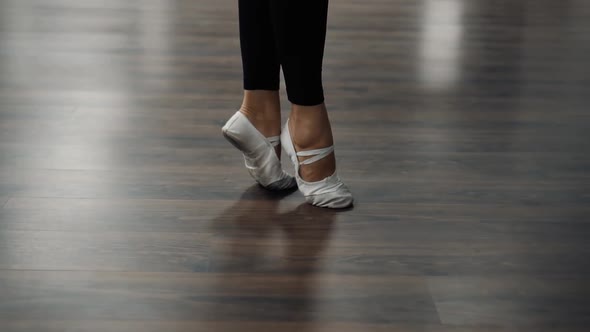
(462, 127)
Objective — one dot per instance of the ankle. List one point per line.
(310, 127)
(263, 110)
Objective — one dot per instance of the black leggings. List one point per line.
(284, 33)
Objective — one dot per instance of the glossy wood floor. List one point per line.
(462, 126)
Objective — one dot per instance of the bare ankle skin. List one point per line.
(263, 109)
(310, 129)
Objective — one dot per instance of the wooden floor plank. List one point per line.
(106, 251)
(535, 302)
(215, 297)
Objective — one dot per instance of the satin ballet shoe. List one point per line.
(329, 192)
(259, 153)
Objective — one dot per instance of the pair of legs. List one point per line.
(289, 34)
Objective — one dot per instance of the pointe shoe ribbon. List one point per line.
(330, 192)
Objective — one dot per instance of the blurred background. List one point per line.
(462, 127)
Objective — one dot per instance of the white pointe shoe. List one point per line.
(329, 192)
(259, 153)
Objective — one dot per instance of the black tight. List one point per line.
(284, 33)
